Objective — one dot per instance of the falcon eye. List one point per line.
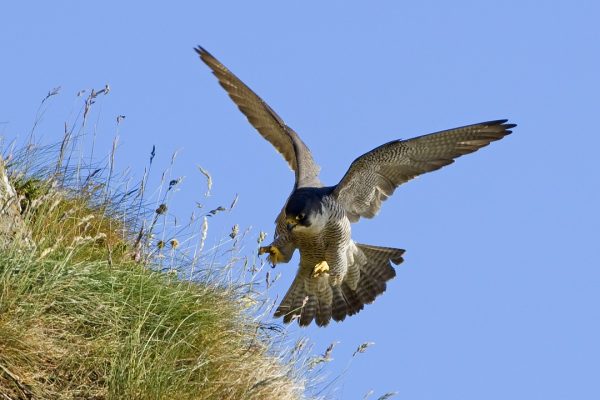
(300, 216)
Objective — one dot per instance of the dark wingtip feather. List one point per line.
(206, 57)
(201, 50)
(397, 258)
(502, 122)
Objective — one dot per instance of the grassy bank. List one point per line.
(93, 330)
(86, 312)
(81, 318)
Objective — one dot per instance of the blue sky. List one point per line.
(498, 295)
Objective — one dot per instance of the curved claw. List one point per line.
(275, 255)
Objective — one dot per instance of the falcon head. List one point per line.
(304, 208)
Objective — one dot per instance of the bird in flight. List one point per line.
(338, 276)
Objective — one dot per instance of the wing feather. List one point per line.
(374, 176)
(266, 122)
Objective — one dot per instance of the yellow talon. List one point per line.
(320, 269)
(275, 255)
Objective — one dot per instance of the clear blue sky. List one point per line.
(499, 295)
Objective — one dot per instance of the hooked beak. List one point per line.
(290, 224)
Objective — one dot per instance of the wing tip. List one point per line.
(204, 54)
(502, 122)
(200, 50)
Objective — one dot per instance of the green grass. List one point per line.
(86, 311)
(79, 318)
(91, 330)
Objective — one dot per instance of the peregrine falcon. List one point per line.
(338, 276)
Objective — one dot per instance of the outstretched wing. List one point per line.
(266, 122)
(374, 176)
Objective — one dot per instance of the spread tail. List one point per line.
(314, 298)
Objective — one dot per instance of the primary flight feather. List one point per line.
(338, 276)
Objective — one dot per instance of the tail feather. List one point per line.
(307, 301)
(374, 274)
(369, 288)
(324, 301)
(307, 313)
(338, 307)
(353, 303)
(379, 258)
(291, 304)
(323, 311)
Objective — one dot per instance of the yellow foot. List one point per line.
(320, 269)
(275, 255)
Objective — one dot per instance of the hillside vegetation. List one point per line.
(87, 313)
